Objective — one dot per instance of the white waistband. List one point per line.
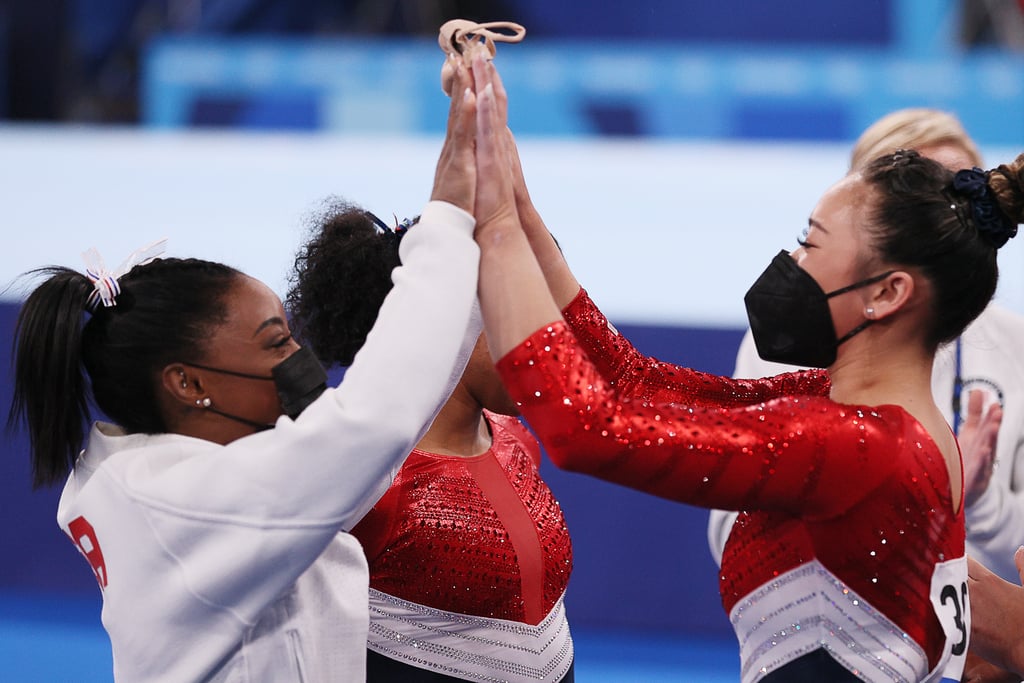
(808, 608)
(469, 647)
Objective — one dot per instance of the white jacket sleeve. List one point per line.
(244, 520)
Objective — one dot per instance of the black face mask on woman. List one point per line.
(790, 318)
(299, 379)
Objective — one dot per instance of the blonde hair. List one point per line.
(911, 129)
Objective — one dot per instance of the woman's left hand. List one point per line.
(978, 444)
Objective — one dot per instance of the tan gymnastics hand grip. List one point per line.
(461, 37)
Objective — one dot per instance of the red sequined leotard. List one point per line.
(469, 559)
(849, 563)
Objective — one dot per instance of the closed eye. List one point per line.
(280, 344)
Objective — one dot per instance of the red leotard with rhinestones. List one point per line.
(850, 545)
(480, 535)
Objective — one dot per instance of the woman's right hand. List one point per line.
(978, 439)
(495, 196)
(455, 176)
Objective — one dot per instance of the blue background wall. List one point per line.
(579, 88)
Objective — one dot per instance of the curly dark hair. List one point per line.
(339, 281)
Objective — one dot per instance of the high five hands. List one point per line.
(475, 168)
(514, 294)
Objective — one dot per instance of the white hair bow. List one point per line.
(105, 281)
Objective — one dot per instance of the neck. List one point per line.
(880, 371)
(460, 428)
(875, 369)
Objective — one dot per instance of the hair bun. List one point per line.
(992, 224)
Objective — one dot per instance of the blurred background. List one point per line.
(673, 147)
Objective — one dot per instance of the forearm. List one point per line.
(420, 343)
(701, 456)
(561, 282)
(514, 295)
(638, 376)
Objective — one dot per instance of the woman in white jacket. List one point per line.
(213, 514)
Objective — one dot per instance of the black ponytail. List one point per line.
(50, 388)
(63, 354)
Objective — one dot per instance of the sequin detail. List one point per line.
(482, 535)
(470, 648)
(862, 490)
(641, 377)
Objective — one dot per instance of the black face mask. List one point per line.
(790, 318)
(299, 378)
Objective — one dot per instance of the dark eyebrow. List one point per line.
(811, 223)
(267, 323)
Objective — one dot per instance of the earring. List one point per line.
(204, 403)
(184, 382)
(869, 312)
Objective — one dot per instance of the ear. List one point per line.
(181, 384)
(889, 295)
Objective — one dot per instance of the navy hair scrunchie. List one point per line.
(990, 220)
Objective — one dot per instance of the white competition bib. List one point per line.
(952, 607)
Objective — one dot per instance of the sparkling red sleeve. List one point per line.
(642, 377)
(801, 454)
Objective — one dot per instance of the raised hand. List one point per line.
(978, 444)
(495, 197)
(514, 296)
(455, 178)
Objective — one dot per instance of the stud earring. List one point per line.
(205, 402)
(869, 312)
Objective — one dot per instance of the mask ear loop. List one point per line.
(870, 312)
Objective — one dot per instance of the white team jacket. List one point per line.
(231, 563)
(990, 361)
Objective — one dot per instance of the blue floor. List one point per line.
(55, 640)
